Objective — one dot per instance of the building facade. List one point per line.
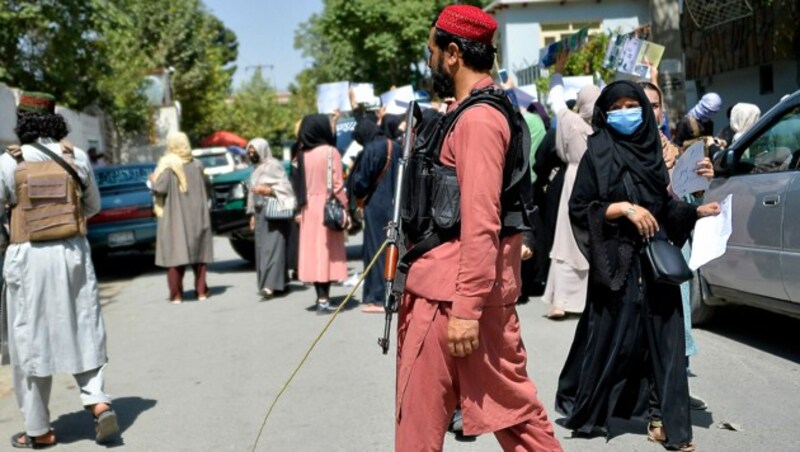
(526, 26)
(753, 58)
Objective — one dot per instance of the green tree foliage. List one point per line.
(100, 51)
(369, 40)
(184, 36)
(254, 111)
(585, 61)
(49, 46)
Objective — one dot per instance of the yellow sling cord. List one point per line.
(314, 344)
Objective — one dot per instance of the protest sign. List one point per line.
(530, 90)
(574, 84)
(397, 100)
(364, 93)
(628, 54)
(713, 233)
(547, 55)
(685, 179)
(332, 96)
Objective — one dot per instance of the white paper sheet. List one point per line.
(685, 179)
(396, 101)
(331, 96)
(364, 92)
(574, 84)
(711, 235)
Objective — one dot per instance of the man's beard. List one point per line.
(443, 84)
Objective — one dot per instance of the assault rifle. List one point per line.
(413, 118)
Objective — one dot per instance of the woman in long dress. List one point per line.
(184, 234)
(628, 353)
(322, 255)
(567, 279)
(269, 185)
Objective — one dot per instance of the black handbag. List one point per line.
(334, 217)
(666, 261)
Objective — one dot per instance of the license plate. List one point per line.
(121, 239)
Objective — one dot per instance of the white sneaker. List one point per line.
(352, 281)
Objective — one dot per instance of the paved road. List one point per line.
(199, 376)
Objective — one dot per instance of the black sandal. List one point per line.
(106, 426)
(30, 442)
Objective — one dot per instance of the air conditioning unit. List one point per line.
(713, 13)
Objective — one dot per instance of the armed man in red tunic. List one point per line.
(459, 338)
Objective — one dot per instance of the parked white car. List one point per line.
(217, 160)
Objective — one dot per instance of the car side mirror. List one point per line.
(724, 162)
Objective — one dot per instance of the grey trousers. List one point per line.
(33, 396)
(271, 252)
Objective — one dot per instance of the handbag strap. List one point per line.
(61, 162)
(330, 174)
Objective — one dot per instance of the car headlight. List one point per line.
(238, 192)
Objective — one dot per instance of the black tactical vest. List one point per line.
(431, 201)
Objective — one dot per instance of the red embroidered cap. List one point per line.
(468, 22)
(37, 102)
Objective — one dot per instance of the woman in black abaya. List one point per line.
(628, 352)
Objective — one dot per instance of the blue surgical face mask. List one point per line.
(625, 121)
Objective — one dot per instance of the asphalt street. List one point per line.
(201, 375)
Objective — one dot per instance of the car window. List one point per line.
(212, 161)
(777, 149)
(120, 176)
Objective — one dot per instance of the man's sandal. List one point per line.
(30, 442)
(655, 433)
(106, 426)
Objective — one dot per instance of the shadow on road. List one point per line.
(619, 427)
(231, 266)
(78, 426)
(123, 265)
(772, 333)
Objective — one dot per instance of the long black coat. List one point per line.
(629, 346)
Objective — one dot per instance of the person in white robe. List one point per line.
(54, 319)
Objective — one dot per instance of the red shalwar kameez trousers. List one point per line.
(474, 277)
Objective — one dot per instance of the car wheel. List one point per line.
(701, 312)
(246, 249)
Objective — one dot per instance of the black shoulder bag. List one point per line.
(666, 262)
(334, 216)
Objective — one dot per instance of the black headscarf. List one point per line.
(315, 130)
(538, 109)
(391, 125)
(366, 131)
(640, 153)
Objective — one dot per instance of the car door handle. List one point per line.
(771, 200)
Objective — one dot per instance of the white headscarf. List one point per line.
(271, 172)
(574, 127)
(743, 116)
(709, 104)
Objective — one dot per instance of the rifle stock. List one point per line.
(413, 118)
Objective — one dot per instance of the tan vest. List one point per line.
(48, 200)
